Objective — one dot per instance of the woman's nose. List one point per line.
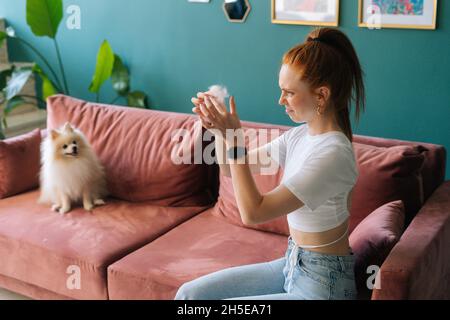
(281, 101)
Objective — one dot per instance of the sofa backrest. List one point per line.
(135, 146)
(385, 175)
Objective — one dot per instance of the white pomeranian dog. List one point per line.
(70, 171)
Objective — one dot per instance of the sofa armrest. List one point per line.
(418, 267)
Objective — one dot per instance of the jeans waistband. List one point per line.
(345, 262)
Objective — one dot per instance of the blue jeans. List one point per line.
(300, 275)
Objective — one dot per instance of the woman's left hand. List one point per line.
(219, 117)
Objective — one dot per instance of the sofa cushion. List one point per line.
(44, 249)
(19, 163)
(387, 174)
(433, 170)
(204, 244)
(226, 205)
(373, 239)
(137, 150)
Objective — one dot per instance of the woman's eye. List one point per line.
(65, 146)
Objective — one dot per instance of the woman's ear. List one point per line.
(323, 95)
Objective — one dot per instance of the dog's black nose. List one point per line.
(75, 149)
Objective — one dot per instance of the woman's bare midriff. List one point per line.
(341, 248)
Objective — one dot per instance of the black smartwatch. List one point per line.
(236, 152)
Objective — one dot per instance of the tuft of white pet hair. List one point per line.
(220, 92)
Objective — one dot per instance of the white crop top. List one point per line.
(321, 171)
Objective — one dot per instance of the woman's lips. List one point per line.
(288, 110)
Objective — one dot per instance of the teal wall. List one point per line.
(175, 48)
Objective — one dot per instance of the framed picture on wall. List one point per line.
(406, 14)
(306, 12)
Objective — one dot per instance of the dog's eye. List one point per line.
(65, 146)
(74, 142)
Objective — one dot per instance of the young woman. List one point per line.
(318, 79)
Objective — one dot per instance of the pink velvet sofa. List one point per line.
(166, 223)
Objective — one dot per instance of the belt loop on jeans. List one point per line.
(292, 264)
(342, 264)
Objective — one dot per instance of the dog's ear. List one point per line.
(54, 134)
(68, 127)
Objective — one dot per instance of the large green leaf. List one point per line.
(137, 99)
(120, 77)
(104, 67)
(18, 80)
(44, 16)
(48, 88)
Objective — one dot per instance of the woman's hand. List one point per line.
(214, 114)
(200, 110)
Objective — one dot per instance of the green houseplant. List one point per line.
(44, 18)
